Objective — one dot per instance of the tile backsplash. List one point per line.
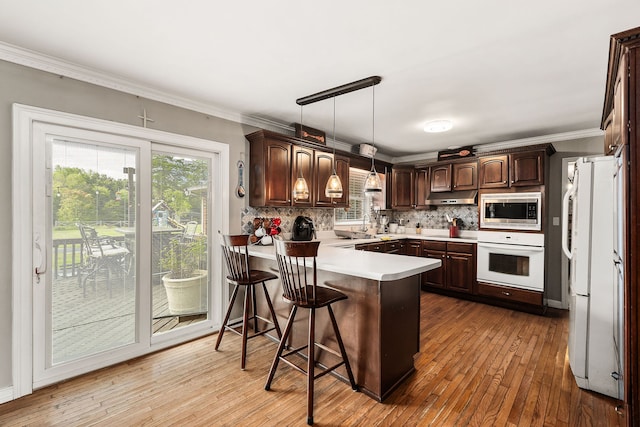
(323, 218)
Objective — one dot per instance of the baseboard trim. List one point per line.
(555, 304)
(6, 394)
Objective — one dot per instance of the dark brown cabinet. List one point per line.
(518, 169)
(441, 178)
(527, 168)
(302, 163)
(403, 184)
(410, 188)
(413, 247)
(615, 129)
(275, 164)
(268, 185)
(494, 171)
(458, 270)
(465, 176)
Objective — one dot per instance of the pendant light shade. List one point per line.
(300, 188)
(373, 184)
(334, 185)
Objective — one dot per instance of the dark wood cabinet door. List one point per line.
(441, 178)
(493, 172)
(277, 183)
(460, 272)
(342, 169)
(527, 168)
(465, 176)
(403, 188)
(422, 187)
(302, 161)
(437, 277)
(413, 248)
(323, 169)
(616, 128)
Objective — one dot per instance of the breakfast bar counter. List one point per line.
(380, 320)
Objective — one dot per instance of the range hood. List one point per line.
(453, 198)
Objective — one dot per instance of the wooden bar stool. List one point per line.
(299, 283)
(240, 274)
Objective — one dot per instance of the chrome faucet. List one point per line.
(364, 223)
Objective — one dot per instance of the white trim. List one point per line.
(39, 61)
(565, 136)
(555, 304)
(6, 394)
(24, 118)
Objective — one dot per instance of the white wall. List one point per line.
(37, 88)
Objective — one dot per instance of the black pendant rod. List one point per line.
(340, 90)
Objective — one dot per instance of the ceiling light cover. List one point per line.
(373, 184)
(436, 126)
(301, 189)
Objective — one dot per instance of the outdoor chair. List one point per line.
(297, 266)
(240, 274)
(100, 253)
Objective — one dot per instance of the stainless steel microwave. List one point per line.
(511, 211)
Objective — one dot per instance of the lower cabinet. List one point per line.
(458, 270)
(514, 295)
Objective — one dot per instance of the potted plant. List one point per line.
(185, 283)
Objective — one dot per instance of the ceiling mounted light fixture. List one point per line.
(300, 188)
(334, 185)
(436, 126)
(373, 184)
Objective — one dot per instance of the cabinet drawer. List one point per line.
(510, 294)
(464, 248)
(434, 245)
(393, 246)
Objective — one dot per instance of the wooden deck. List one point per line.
(478, 365)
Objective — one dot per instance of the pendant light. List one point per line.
(300, 188)
(334, 186)
(373, 184)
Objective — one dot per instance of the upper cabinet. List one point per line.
(277, 160)
(404, 190)
(454, 176)
(323, 170)
(302, 164)
(615, 126)
(517, 169)
(441, 178)
(268, 185)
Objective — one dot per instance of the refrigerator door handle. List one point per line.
(565, 221)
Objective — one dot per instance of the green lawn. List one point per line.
(74, 232)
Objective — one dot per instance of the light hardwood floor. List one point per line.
(478, 365)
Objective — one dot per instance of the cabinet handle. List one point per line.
(611, 147)
(506, 293)
(504, 182)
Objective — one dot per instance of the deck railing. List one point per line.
(68, 256)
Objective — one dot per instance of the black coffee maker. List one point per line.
(303, 229)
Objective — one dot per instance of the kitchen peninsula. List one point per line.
(380, 320)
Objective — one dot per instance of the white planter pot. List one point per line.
(186, 296)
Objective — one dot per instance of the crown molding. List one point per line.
(50, 64)
(483, 148)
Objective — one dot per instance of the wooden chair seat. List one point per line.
(324, 296)
(254, 277)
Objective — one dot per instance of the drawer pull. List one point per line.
(506, 293)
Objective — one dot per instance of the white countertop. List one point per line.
(466, 236)
(369, 265)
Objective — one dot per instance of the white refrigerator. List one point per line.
(595, 297)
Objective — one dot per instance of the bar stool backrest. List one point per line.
(236, 255)
(297, 265)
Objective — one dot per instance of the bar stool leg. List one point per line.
(281, 346)
(226, 317)
(311, 365)
(253, 311)
(245, 324)
(272, 311)
(342, 349)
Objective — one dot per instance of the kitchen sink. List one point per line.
(348, 234)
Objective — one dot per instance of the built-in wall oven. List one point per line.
(511, 259)
(513, 211)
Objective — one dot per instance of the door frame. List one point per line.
(23, 275)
